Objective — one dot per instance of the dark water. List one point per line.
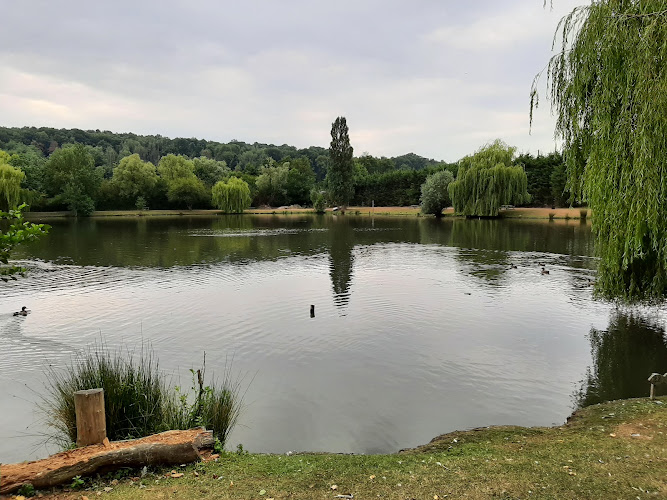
(421, 327)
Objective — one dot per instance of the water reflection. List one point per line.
(624, 355)
(341, 260)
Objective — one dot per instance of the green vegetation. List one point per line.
(340, 177)
(435, 196)
(488, 180)
(233, 196)
(138, 400)
(135, 178)
(70, 176)
(18, 232)
(608, 86)
(612, 450)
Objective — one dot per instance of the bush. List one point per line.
(138, 400)
(319, 203)
(435, 196)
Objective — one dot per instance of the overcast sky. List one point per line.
(438, 78)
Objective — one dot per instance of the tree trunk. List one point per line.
(171, 447)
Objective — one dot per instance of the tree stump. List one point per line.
(91, 425)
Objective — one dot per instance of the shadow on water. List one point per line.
(624, 355)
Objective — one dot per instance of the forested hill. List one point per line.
(109, 147)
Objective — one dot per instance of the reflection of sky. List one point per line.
(423, 348)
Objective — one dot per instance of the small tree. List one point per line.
(233, 196)
(317, 198)
(487, 180)
(340, 176)
(435, 195)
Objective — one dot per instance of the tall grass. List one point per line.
(138, 399)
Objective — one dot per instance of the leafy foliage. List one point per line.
(10, 186)
(70, 176)
(608, 86)
(19, 231)
(435, 196)
(135, 177)
(188, 191)
(340, 176)
(233, 196)
(487, 180)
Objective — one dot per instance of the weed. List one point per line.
(26, 490)
(77, 483)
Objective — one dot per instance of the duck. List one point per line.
(512, 266)
(23, 312)
(544, 271)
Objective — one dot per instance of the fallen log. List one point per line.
(166, 448)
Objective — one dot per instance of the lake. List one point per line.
(421, 326)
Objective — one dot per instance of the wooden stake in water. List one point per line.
(91, 425)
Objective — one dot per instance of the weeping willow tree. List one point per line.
(487, 180)
(10, 186)
(608, 88)
(233, 196)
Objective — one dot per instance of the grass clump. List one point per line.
(138, 398)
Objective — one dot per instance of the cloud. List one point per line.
(435, 78)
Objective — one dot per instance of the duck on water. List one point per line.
(23, 312)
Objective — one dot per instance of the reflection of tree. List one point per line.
(341, 259)
(482, 246)
(624, 356)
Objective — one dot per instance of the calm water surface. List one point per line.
(422, 326)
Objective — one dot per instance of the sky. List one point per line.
(439, 78)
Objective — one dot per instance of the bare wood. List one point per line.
(91, 426)
(652, 391)
(166, 448)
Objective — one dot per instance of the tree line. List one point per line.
(82, 171)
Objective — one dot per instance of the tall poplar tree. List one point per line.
(608, 87)
(340, 176)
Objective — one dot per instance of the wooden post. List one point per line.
(312, 311)
(652, 391)
(91, 425)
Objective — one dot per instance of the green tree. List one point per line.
(135, 178)
(233, 196)
(608, 87)
(70, 176)
(271, 184)
(435, 196)
(300, 180)
(210, 171)
(172, 167)
(487, 180)
(18, 232)
(188, 191)
(10, 183)
(340, 176)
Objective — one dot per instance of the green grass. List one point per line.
(595, 456)
(138, 398)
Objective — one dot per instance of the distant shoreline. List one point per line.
(516, 213)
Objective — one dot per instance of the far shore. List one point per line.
(414, 211)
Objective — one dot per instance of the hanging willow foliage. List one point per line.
(487, 180)
(608, 87)
(10, 186)
(233, 196)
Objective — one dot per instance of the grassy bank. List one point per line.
(612, 450)
(517, 213)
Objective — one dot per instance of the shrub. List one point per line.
(434, 196)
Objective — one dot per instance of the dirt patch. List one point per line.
(635, 430)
